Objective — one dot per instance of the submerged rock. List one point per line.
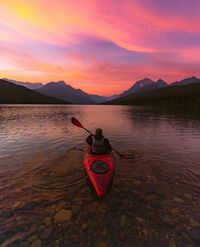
(175, 212)
(47, 232)
(122, 220)
(129, 215)
(104, 232)
(137, 183)
(37, 243)
(47, 221)
(194, 223)
(33, 238)
(84, 226)
(156, 205)
(168, 221)
(140, 220)
(195, 235)
(63, 215)
(178, 199)
(24, 244)
(103, 244)
(145, 232)
(76, 209)
(33, 228)
(41, 228)
(187, 196)
(172, 243)
(52, 212)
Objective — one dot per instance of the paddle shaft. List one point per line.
(87, 130)
(117, 152)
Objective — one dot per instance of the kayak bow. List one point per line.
(100, 171)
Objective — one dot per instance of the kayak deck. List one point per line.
(100, 170)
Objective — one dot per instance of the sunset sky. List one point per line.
(100, 46)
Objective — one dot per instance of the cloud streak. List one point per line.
(99, 46)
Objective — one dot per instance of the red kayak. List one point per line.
(100, 171)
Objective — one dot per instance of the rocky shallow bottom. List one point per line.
(151, 204)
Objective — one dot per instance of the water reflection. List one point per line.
(27, 130)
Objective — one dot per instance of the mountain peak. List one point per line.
(143, 82)
(56, 83)
(161, 82)
(63, 91)
(60, 83)
(144, 85)
(190, 78)
(186, 81)
(146, 79)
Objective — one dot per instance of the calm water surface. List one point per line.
(27, 132)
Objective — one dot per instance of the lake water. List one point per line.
(154, 199)
(30, 130)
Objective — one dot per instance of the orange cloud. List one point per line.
(44, 40)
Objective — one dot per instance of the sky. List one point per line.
(99, 46)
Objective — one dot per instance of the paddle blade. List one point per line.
(76, 122)
(130, 154)
(128, 157)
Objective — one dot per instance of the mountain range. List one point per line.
(63, 91)
(143, 85)
(11, 93)
(187, 81)
(66, 93)
(187, 95)
(30, 85)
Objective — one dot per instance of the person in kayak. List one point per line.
(97, 143)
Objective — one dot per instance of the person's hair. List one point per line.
(98, 133)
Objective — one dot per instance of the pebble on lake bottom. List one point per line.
(142, 208)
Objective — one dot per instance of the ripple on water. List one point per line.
(26, 130)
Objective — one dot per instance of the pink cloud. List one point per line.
(116, 41)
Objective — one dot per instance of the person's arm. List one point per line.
(89, 140)
(107, 145)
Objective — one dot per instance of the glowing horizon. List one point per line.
(102, 46)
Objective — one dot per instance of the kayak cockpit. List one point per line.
(100, 171)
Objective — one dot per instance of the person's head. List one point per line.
(98, 133)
